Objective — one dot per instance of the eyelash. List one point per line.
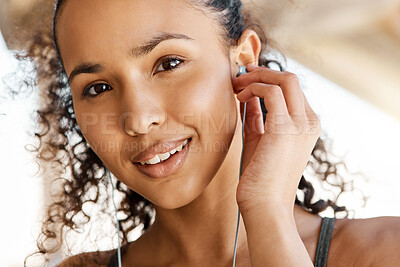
(164, 60)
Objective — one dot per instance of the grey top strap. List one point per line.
(324, 241)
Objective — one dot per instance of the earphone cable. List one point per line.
(240, 175)
(115, 208)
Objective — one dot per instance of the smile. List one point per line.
(162, 157)
(163, 165)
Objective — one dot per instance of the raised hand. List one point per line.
(275, 154)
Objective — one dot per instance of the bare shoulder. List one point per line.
(88, 259)
(366, 242)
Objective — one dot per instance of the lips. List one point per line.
(168, 167)
(158, 148)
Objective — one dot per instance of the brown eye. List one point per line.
(169, 64)
(96, 89)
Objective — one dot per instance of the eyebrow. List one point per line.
(85, 68)
(136, 52)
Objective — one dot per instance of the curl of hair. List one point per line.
(80, 171)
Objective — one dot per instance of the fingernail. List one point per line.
(252, 65)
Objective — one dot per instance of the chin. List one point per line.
(176, 199)
(177, 193)
(173, 204)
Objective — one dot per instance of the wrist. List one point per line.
(272, 231)
(257, 205)
(266, 207)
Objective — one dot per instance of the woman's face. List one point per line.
(128, 99)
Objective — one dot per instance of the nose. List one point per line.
(140, 113)
(136, 124)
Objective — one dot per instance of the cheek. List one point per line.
(203, 98)
(206, 106)
(210, 101)
(89, 123)
(100, 131)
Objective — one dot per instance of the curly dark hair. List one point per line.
(81, 175)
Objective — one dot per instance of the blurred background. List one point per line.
(346, 54)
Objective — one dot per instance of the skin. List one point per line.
(197, 206)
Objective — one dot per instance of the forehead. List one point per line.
(87, 28)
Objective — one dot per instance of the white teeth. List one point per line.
(161, 157)
(164, 156)
(154, 160)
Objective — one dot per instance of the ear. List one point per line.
(247, 51)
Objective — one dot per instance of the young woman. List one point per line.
(147, 89)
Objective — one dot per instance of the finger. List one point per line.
(252, 131)
(254, 124)
(272, 94)
(307, 106)
(275, 77)
(288, 82)
(313, 122)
